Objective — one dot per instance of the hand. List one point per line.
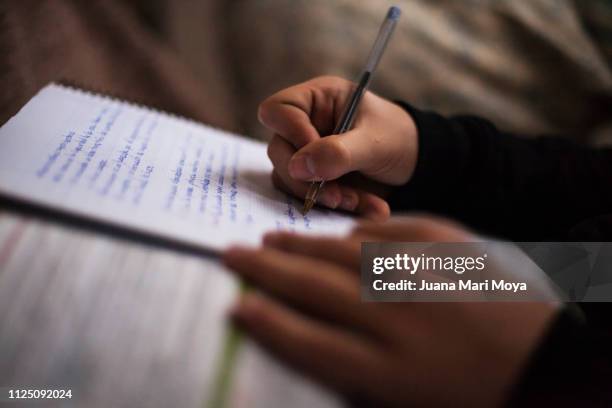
(381, 147)
(385, 354)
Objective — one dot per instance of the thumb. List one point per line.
(331, 157)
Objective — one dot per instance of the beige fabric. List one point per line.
(529, 65)
(98, 44)
(198, 32)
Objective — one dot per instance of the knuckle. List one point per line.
(330, 79)
(331, 82)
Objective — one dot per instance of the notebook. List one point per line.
(147, 171)
(123, 323)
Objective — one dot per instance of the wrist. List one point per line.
(411, 131)
(438, 163)
(396, 163)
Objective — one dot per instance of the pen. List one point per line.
(350, 110)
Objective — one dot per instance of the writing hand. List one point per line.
(381, 148)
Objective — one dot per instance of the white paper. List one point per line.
(122, 324)
(149, 171)
(119, 323)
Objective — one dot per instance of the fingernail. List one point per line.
(301, 167)
(310, 165)
(329, 199)
(349, 202)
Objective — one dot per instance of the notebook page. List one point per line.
(123, 324)
(151, 172)
(120, 324)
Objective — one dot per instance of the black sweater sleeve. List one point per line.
(525, 190)
(572, 367)
(503, 185)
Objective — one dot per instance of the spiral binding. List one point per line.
(114, 97)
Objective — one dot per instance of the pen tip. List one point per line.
(307, 206)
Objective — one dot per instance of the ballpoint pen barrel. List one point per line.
(350, 111)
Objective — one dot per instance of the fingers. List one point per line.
(304, 112)
(319, 288)
(343, 252)
(287, 113)
(293, 113)
(333, 195)
(369, 206)
(280, 152)
(332, 157)
(416, 229)
(333, 357)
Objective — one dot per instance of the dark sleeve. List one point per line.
(503, 185)
(572, 367)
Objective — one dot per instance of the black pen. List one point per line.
(350, 111)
